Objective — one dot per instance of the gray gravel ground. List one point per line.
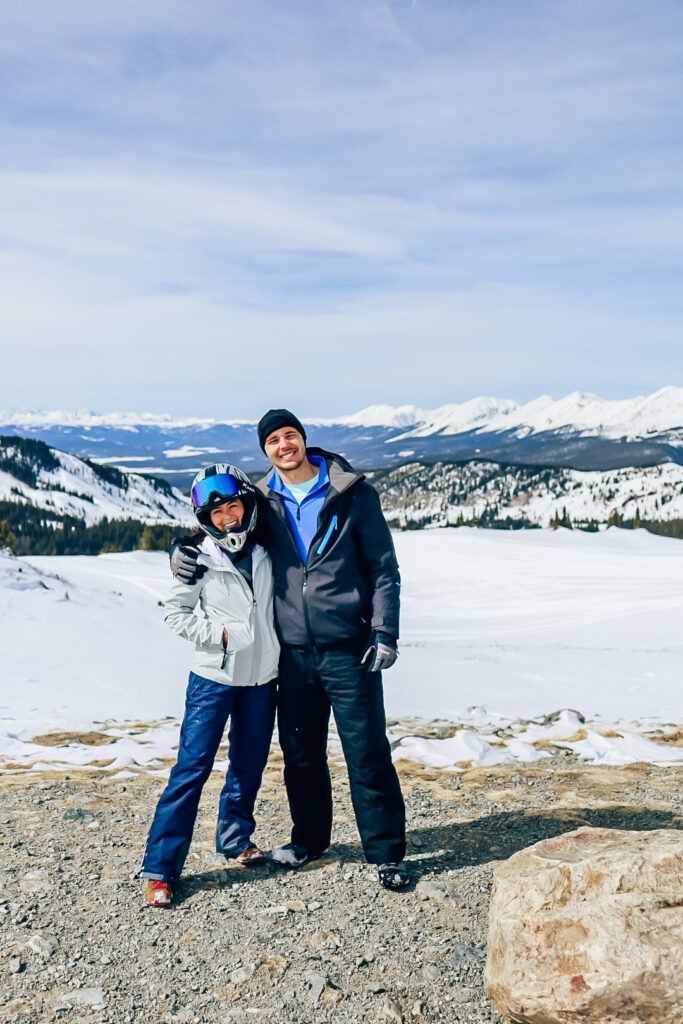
(264, 945)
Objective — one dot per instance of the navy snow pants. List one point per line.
(208, 706)
(310, 683)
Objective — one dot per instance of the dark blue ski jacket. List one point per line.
(350, 583)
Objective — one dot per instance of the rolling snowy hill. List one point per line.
(42, 489)
(445, 493)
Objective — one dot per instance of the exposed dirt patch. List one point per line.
(63, 739)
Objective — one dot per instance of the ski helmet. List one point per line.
(216, 485)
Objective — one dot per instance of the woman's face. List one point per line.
(228, 514)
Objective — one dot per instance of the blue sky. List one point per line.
(211, 207)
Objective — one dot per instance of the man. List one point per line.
(336, 612)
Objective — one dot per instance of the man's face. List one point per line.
(286, 448)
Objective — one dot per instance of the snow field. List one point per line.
(500, 630)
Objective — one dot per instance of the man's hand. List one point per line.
(184, 554)
(381, 653)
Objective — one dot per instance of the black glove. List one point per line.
(184, 554)
(382, 652)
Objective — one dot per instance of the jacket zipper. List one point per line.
(251, 593)
(280, 511)
(330, 530)
(305, 604)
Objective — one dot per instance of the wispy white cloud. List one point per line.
(372, 181)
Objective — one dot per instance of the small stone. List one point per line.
(93, 997)
(429, 889)
(375, 987)
(77, 814)
(214, 861)
(243, 974)
(15, 965)
(317, 983)
(273, 914)
(314, 905)
(43, 945)
(432, 972)
(417, 1009)
(391, 1010)
(463, 955)
(274, 964)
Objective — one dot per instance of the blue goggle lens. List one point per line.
(223, 484)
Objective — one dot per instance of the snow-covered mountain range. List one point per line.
(580, 431)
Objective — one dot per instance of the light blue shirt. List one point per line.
(299, 491)
(303, 515)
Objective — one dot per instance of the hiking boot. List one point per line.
(293, 856)
(393, 876)
(251, 857)
(158, 893)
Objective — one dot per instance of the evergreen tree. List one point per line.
(614, 519)
(637, 521)
(146, 539)
(7, 538)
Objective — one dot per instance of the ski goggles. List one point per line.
(224, 485)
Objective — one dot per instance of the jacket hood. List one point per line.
(342, 474)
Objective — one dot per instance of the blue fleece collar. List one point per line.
(277, 484)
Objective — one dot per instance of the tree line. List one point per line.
(26, 530)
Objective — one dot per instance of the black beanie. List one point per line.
(273, 420)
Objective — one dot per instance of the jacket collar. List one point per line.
(341, 474)
(277, 484)
(213, 556)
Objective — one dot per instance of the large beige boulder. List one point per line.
(588, 927)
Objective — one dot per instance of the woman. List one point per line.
(228, 613)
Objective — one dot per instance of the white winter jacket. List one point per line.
(222, 599)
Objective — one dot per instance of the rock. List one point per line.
(432, 972)
(275, 965)
(34, 881)
(430, 889)
(588, 926)
(314, 905)
(77, 814)
(273, 914)
(318, 983)
(243, 974)
(390, 1010)
(463, 956)
(93, 997)
(322, 986)
(15, 965)
(42, 944)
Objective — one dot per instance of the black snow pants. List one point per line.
(310, 683)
